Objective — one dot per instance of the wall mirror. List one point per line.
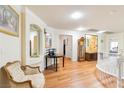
(34, 40)
(48, 40)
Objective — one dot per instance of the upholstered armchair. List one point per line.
(24, 76)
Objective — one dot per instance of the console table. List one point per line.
(91, 56)
(55, 57)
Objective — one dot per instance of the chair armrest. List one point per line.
(29, 70)
(23, 84)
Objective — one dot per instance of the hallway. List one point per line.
(73, 75)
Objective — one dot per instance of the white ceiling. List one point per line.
(95, 17)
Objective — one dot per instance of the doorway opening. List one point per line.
(66, 45)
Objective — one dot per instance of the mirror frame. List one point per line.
(34, 27)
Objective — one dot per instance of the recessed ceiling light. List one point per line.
(76, 15)
(81, 29)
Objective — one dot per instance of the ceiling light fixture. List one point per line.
(76, 15)
(81, 29)
(99, 32)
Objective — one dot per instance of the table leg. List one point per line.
(56, 64)
(63, 61)
(46, 62)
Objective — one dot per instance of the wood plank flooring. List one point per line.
(73, 75)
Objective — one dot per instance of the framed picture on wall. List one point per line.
(48, 40)
(9, 20)
(113, 46)
(91, 43)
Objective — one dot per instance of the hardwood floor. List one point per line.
(73, 75)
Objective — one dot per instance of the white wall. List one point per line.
(10, 46)
(52, 32)
(119, 37)
(31, 18)
(10, 50)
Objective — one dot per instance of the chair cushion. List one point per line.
(16, 72)
(37, 80)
